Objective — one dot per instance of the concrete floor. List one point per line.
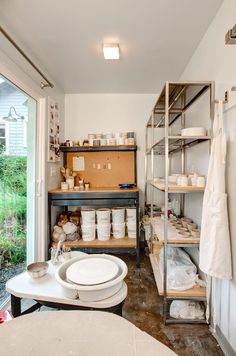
(143, 307)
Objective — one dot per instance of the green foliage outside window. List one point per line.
(13, 180)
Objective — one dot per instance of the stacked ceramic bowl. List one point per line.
(88, 226)
(185, 227)
(131, 222)
(118, 222)
(91, 277)
(103, 224)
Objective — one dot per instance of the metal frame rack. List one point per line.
(175, 99)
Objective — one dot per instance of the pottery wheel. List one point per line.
(92, 271)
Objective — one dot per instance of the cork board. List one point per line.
(96, 167)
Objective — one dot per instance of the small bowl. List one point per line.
(192, 226)
(184, 234)
(37, 269)
(76, 187)
(195, 232)
(187, 220)
(183, 229)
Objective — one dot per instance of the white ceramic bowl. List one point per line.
(95, 292)
(193, 131)
(192, 226)
(195, 233)
(37, 269)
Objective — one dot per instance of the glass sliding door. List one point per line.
(17, 181)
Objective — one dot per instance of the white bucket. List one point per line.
(118, 215)
(118, 230)
(88, 232)
(88, 216)
(104, 232)
(132, 232)
(131, 215)
(103, 216)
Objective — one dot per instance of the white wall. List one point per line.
(213, 60)
(91, 113)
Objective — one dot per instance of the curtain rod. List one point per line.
(42, 85)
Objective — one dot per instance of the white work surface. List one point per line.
(85, 333)
(48, 289)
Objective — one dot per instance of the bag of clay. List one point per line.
(186, 309)
(181, 272)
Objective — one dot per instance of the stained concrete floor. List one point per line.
(143, 308)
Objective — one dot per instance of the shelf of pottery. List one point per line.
(101, 227)
(172, 131)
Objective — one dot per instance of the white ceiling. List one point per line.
(156, 37)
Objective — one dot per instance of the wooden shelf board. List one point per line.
(98, 148)
(171, 239)
(125, 242)
(94, 190)
(195, 292)
(176, 188)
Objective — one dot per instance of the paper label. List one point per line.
(78, 163)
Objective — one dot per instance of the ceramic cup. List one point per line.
(96, 142)
(184, 181)
(91, 136)
(103, 142)
(201, 181)
(64, 186)
(130, 141)
(193, 181)
(121, 141)
(70, 182)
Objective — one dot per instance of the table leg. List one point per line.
(15, 306)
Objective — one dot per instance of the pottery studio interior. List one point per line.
(117, 177)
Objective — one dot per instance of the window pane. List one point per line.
(2, 141)
(2, 131)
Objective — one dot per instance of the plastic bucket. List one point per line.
(132, 231)
(88, 232)
(104, 232)
(118, 215)
(131, 215)
(118, 230)
(88, 216)
(103, 216)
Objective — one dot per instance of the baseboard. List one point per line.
(223, 342)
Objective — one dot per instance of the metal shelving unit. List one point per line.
(172, 104)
